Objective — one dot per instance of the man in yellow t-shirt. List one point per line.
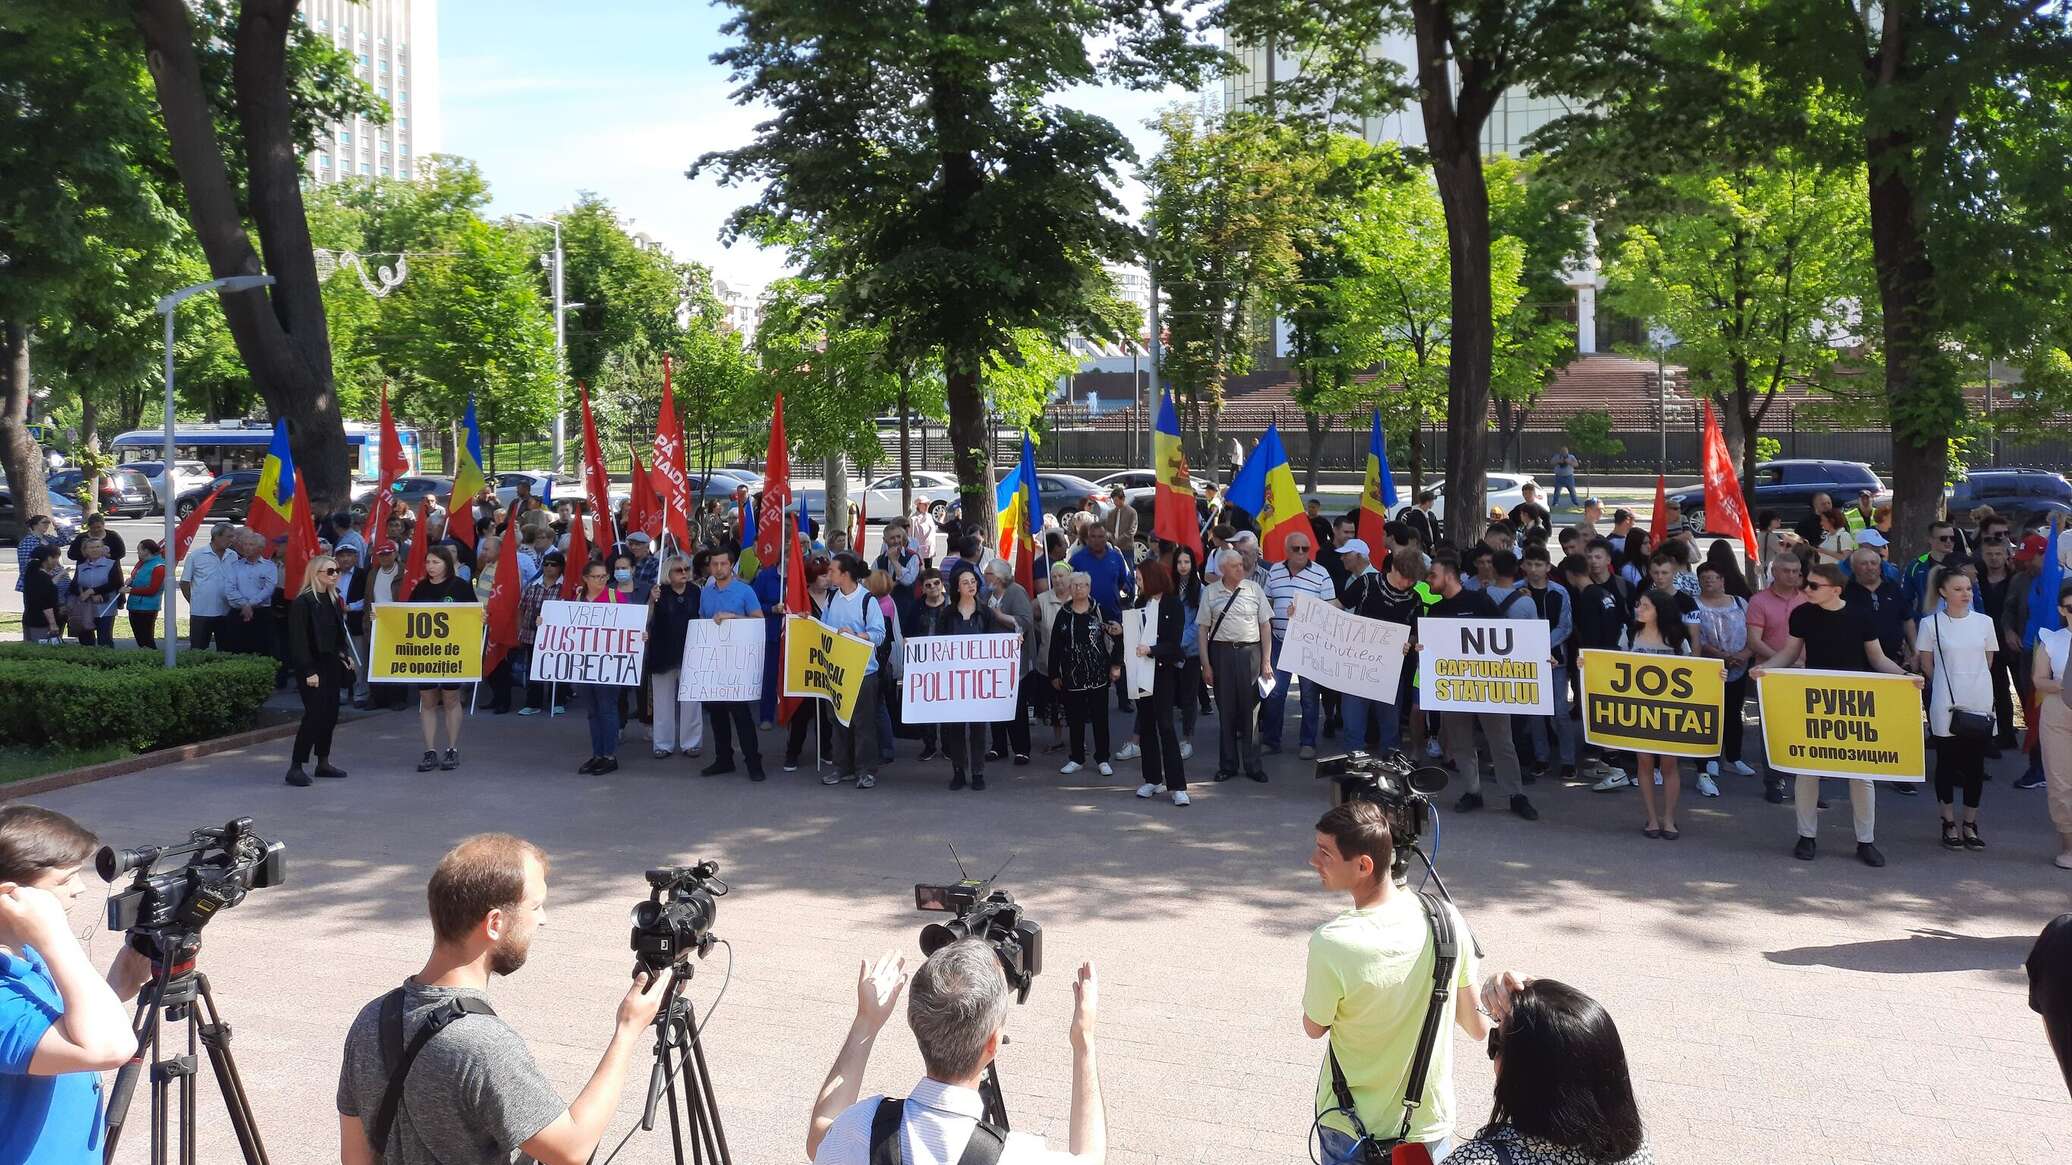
(1369, 985)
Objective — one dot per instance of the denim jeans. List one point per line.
(604, 720)
(1273, 709)
(1552, 739)
(1338, 1148)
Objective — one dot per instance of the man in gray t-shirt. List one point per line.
(474, 1096)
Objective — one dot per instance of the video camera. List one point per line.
(988, 914)
(1391, 780)
(164, 912)
(676, 920)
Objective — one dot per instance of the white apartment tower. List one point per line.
(395, 47)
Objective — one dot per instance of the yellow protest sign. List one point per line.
(1842, 724)
(819, 661)
(1664, 704)
(426, 643)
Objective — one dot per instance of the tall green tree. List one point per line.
(628, 287)
(1466, 54)
(926, 141)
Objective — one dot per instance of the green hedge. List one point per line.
(78, 697)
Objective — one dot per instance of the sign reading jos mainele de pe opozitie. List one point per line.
(961, 679)
(589, 643)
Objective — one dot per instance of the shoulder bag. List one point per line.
(1966, 725)
(398, 1058)
(1445, 956)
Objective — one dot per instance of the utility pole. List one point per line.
(555, 261)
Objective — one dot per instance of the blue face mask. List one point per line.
(623, 575)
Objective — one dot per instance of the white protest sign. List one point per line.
(722, 661)
(961, 679)
(1345, 652)
(1485, 665)
(590, 643)
(1137, 669)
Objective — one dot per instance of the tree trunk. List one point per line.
(1314, 424)
(1923, 397)
(1466, 199)
(19, 453)
(834, 477)
(449, 451)
(906, 454)
(280, 334)
(1213, 455)
(969, 447)
(90, 440)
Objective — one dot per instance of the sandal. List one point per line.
(1651, 832)
(1670, 835)
(1950, 839)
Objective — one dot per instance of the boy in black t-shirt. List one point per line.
(1829, 635)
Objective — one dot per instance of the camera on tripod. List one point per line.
(1391, 780)
(989, 915)
(676, 920)
(222, 866)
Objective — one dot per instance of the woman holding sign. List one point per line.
(1658, 629)
(1956, 647)
(968, 615)
(435, 702)
(604, 698)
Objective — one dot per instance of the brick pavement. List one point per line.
(1813, 1013)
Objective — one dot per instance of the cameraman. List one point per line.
(957, 1009)
(61, 1025)
(473, 1092)
(1369, 988)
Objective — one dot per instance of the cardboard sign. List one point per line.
(962, 679)
(590, 643)
(1842, 724)
(1345, 652)
(426, 643)
(823, 663)
(722, 661)
(1662, 704)
(1139, 670)
(1486, 665)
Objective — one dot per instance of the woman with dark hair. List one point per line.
(596, 587)
(1186, 568)
(2050, 988)
(1633, 560)
(1163, 633)
(439, 703)
(1723, 556)
(968, 614)
(1658, 629)
(1563, 1092)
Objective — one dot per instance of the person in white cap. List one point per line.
(1390, 596)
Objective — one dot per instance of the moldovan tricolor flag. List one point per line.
(1173, 517)
(272, 514)
(1378, 493)
(1265, 489)
(468, 480)
(1725, 510)
(1015, 499)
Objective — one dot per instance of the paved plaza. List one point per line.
(1773, 1010)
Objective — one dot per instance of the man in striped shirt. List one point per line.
(1297, 577)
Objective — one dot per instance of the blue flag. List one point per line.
(2043, 594)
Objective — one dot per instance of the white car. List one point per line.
(545, 486)
(1500, 491)
(937, 489)
(187, 475)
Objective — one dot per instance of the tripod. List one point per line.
(679, 1055)
(171, 997)
(993, 1108)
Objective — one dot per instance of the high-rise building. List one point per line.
(395, 48)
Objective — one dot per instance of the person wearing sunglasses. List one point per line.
(321, 654)
(672, 604)
(1942, 543)
(1564, 1094)
(1826, 634)
(2053, 647)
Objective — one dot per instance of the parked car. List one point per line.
(1499, 491)
(65, 518)
(235, 503)
(124, 491)
(885, 498)
(1065, 493)
(1788, 488)
(2027, 497)
(545, 486)
(1144, 500)
(407, 491)
(187, 475)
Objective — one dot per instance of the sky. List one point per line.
(618, 97)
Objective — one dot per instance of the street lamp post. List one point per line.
(1662, 340)
(560, 345)
(167, 307)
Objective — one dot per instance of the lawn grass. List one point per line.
(19, 762)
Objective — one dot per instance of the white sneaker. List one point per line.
(1186, 749)
(1070, 767)
(1613, 779)
(1180, 797)
(1147, 790)
(1741, 768)
(1107, 770)
(1128, 752)
(1432, 749)
(1711, 770)
(1707, 788)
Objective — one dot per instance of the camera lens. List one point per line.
(937, 935)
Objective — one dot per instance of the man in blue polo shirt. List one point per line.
(725, 597)
(61, 1025)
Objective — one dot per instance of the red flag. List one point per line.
(640, 507)
(394, 464)
(796, 601)
(863, 506)
(596, 483)
(1658, 530)
(769, 516)
(420, 544)
(501, 611)
(183, 534)
(302, 541)
(577, 558)
(670, 484)
(1725, 510)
